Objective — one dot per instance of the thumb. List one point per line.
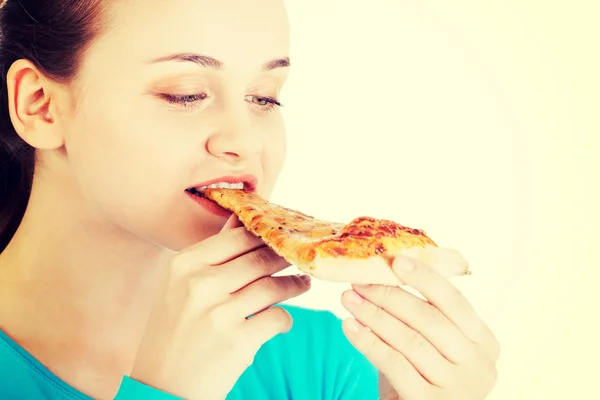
(232, 223)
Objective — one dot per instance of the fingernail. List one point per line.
(404, 264)
(306, 279)
(354, 298)
(352, 325)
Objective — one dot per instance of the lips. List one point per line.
(245, 182)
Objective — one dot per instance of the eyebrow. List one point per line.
(213, 63)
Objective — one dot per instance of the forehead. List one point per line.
(238, 32)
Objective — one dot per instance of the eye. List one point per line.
(266, 104)
(186, 101)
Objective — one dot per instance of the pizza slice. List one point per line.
(360, 252)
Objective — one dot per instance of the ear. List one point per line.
(32, 102)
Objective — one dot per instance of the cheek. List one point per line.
(274, 156)
(123, 168)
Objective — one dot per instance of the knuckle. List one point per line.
(270, 285)
(184, 265)
(370, 344)
(496, 349)
(388, 292)
(376, 313)
(296, 284)
(196, 297)
(295, 287)
(218, 318)
(261, 260)
(264, 292)
(492, 376)
(416, 341)
(394, 360)
(281, 287)
(435, 315)
(490, 349)
(488, 375)
(207, 289)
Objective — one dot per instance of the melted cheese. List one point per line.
(299, 237)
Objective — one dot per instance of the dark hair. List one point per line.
(53, 35)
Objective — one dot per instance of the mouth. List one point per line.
(199, 190)
(246, 183)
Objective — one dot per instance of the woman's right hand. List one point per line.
(199, 341)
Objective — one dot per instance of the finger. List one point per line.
(447, 298)
(218, 249)
(401, 374)
(266, 292)
(417, 350)
(250, 267)
(421, 316)
(265, 325)
(232, 222)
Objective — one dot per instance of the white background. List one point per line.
(477, 122)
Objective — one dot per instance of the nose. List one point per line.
(234, 141)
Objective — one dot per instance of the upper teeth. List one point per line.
(222, 185)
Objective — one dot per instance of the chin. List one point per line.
(178, 236)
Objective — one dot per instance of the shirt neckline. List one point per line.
(40, 370)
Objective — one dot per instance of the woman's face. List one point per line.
(171, 95)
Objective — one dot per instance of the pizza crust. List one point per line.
(378, 270)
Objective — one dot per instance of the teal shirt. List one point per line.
(313, 361)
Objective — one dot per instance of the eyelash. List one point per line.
(189, 101)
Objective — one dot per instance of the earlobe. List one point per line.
(30, 98)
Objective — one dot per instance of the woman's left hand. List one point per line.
(424, 350)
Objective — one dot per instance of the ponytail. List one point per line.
(16, 175)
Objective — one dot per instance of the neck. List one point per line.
(77, 283)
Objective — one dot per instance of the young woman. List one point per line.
(116, 282)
